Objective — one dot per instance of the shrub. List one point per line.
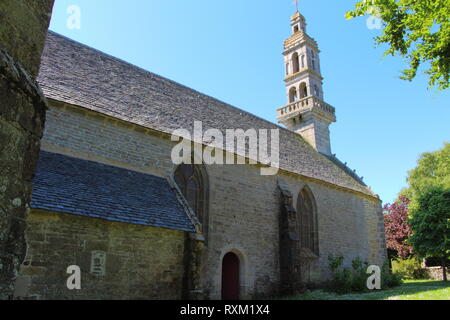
(390, 279)
(342, 281)
(410, 268)
(335, 262)
(359, 275)
(348, 280)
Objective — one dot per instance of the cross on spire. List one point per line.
(296, 4)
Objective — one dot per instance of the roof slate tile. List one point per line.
(80, 187)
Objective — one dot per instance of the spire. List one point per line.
(296, 4)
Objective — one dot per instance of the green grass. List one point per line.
(410, 290)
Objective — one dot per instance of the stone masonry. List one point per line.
(140, 262)
(23, 29)
(244, 206)
(104, 110)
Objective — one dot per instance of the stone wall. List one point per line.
(244, 206)
(244, 218)
(141, 262)
(23, 29)
(21, 123)
(436, 273)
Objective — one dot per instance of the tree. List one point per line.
(416, 30)
(397, 229)
(430, 224)
(433, 171)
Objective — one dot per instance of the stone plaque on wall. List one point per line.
(98, 263)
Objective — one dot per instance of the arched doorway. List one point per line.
(230, 277)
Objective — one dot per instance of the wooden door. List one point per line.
(230, 277)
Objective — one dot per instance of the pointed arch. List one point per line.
(307, 220)
(192, 181)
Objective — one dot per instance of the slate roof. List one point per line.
(85, 188)
(79, 75)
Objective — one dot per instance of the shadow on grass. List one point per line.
(408, 288)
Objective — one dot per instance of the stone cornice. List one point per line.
(296, 75)
(298, 39)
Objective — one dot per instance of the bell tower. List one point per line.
(306, 112)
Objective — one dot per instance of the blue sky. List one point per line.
(231, 50)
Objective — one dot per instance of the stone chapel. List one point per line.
(108, 199)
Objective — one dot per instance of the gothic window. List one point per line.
(190, 180)
(308, 226)
(293, 95)
(295, 62)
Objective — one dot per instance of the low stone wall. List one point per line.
(436, 273)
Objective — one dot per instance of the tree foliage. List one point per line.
(397, 228)
(433, 171)
(418, 30)
(430, 224)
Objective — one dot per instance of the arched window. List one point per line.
(303, 90)
(191, 179)
(307, 219)
(293, 95)
(303, 61)
(316, 90)
(295, 62)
